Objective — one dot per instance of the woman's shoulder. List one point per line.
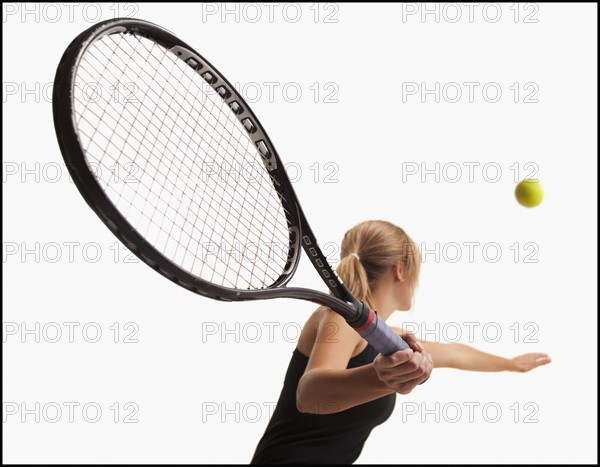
(327, 325)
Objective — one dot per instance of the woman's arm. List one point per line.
(327, 386)
(326, 391)
(463, 357)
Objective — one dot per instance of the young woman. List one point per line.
(337, 388)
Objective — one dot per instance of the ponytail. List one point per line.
(353, 274)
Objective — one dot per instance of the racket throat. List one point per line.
(362, 317)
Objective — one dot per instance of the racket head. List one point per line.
(83, 137)
(79, 63)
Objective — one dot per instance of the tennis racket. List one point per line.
(175, 163)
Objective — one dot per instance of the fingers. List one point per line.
(412, 381)
(393, 360)
(542, 357)
(422, 371)
(542, 360)
(415, 377)
(405, 376)
(528, 362)
(412, 341)
(536, 359)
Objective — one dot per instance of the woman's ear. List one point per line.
(399, 272)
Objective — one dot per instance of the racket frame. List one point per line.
(342, 301)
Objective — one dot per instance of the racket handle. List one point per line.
(381, 337)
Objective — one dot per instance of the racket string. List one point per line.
(174, 204)
(259, 194)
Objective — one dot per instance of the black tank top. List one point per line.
(293, 437)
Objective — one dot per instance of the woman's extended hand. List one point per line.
(529, 361)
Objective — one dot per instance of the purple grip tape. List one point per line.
(381, 337)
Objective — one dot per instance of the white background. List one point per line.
(193, 388)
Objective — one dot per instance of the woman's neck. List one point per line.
(383, 303)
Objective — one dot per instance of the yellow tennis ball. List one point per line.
(529, 193)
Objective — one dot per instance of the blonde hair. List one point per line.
(369, 250)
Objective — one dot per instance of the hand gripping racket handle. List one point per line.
(380, 335)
